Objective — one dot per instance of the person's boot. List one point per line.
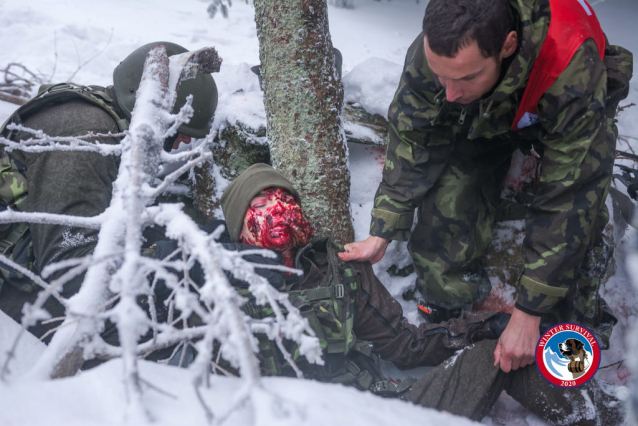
(435, 314)
(482, 328)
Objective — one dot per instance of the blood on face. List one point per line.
(274, 220)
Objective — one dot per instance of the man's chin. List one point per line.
(280, 242)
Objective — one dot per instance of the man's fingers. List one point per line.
(515, 363)
(504, 358)
(497, 354)
(528, 360)
(346, 256)
(506, 364)
(511, 362)
(362, 251)
(350, 253)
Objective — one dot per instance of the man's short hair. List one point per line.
(450, 25)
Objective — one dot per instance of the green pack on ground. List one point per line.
(15, 239)
(329, 309)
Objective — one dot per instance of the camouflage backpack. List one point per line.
(15, 239)
(329, 309)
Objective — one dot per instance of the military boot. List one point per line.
(486, 325)
(435, 314)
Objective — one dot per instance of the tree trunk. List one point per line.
(303, 96)
(202, 187)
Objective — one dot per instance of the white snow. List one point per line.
(97, 398)
(85, 40)
(372, 84)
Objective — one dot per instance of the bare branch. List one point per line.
(12, 99)
(207, 411)
(88, 61)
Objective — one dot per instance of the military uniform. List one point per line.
(74, 183)
(467, 384)
(449, 161)
(465, 381)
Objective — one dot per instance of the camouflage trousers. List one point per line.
(455, 223)
(454, 230)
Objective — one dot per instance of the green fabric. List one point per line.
(435, 161)
(469, 384)
(128, 74)
(55, 94)
(57, 182)
(243, 189)
(329, 306)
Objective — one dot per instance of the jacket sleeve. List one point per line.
(578, 140)
(417, 150)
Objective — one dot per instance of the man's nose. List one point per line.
(452, 91)
(278, 209)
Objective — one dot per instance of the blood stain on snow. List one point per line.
(379, 156)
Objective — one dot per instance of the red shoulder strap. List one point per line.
(572, 22)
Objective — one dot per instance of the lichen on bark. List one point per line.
(303, 96)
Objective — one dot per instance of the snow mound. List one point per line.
(372, 84)
(97, 397)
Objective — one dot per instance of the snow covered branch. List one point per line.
(45, 143)
(177, 312)
(12, 216)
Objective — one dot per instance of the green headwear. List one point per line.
(127, 77)
(244, 188)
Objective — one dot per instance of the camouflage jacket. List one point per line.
(576, 125)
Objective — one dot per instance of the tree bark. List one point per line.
(303, 96)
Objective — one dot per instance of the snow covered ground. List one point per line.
(83, 41)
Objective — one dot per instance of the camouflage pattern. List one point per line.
(329, 308)
(13, 183)
(448, 159)
(354, 317)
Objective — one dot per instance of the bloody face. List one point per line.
(274, 221)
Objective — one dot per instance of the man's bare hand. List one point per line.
(371, 249)
(516, 347)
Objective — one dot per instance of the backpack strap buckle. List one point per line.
(383, 386)
(339, 291)
(15, 235)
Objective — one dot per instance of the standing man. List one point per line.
(484, 78)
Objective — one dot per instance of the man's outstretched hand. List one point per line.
(516, 347)
(371, 250)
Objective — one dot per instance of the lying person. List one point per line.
(352, 314)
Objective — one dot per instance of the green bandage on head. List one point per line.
(238, 195)
(126, 81)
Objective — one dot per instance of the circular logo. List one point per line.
(568, 355)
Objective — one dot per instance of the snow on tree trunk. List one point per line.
(303, 96)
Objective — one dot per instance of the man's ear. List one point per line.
(510, 45)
